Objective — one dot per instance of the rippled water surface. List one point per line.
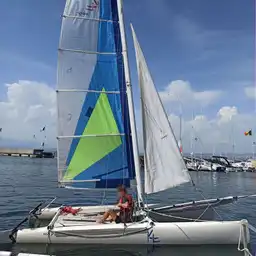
(25, 182)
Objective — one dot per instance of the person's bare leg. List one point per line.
(108, 215)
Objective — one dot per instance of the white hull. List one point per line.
(5, 253)
(176, 233)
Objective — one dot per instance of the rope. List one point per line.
(104, 198)
(245, 250)
(252, 228)
(102, 236)
(201, 215)
(198, 190)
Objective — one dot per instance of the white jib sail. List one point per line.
(164, 165)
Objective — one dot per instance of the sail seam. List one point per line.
(87, 52)
(90, 135)
(93, 91)
(92, 19)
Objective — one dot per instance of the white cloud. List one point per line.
(207, 97)
(217, 134)
(250, 92)
(28, 107)
(182, 91)
(225, 114)
(31, 105)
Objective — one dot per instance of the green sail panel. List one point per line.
(92, 149)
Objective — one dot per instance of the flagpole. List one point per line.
(180, 130)
(192, 138)
(201, 145)
(253, 145)
(232, 138)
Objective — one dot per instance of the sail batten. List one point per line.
(94, 91)
(88, 52)
(91, 135)
(94, 139)
(164, 166)
(84, 18)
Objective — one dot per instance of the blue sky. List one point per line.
(208, 43)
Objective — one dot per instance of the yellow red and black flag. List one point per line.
(249, 133)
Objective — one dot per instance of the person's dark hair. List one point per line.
(121, 188)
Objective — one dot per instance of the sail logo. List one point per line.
(153, 241)
(92, 7)
(151, 236)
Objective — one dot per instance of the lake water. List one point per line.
(25, 182)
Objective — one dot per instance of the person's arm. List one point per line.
(124, 205)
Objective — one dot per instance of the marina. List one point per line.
(100, 151)
(137, 147)
(220, 164)
(212, 164)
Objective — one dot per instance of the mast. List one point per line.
(192, 137)
(130, 100)
(180, 131)
(58, 129)
(232, 138)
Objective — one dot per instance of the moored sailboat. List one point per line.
(97, 142)
(92, 46)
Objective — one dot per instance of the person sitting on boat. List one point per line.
(125, 205)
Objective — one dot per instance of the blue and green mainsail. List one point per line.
(102, 157)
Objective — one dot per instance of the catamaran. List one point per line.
(97, 141)
(93, 45)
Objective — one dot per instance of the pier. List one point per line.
(25, 152)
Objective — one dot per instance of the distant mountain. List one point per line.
(9, 143)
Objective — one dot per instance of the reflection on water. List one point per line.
(124, 250)
(214, 179)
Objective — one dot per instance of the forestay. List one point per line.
(164, 165)
(94, 141)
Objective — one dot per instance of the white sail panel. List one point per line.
(75, 69)
(164, 165)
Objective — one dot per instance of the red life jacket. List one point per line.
(123, 200)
